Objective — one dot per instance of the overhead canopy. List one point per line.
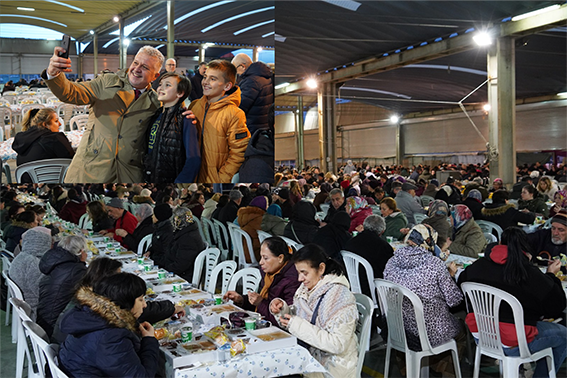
(317, 37)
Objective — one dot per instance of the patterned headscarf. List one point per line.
(354, 204)
(461, 214)
(438, 207)
(182, 217)
(475, 193)
(423, 235)
(560, 198)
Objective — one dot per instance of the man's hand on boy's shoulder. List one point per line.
(189, 114)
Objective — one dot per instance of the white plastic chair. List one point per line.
(208, 259)
(490, 237)
(209, 230)
(263, 235)
(200, 227)
(238, 244)
(23, 310)
(223, 238)
(487, 226)
(6, 122)
(144, 244)
(365, 310)
(251, 278)
(227, 268)
(85, 222)
(14, 291)
(485, 301)
(426, 200)
(292, 243)
(419, 218)
(65, 113)
(6, 263)
(78, 122)
(50, 171)
(391, 297)
(40, 340)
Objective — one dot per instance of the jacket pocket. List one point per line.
(93, 148)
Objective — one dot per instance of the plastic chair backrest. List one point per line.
(419, 218)
(78, 122)
(13, 289)
(85, 222)
(292, 243)
(144, 244)
(365, 309)
(49, 351)
(65, 113)
(209, 229)
(263, 235)
(325, 207)
(426, 200)
(391, 299)
(223, 238)
(24, 311)
(487, 226)
(352, 263)
(490, 237)
(227, 268)
(208, 259)
(238, 243)
(485, 301)
(200, 227)
(251, 278)
(44, 171)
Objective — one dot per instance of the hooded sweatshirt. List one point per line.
(39, 143)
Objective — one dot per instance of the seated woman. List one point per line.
(99, 217)
(508, 268)
(104, 338)
(395, 219)
(279, 279)
(272, 221)
(326, 311)
(40, 139)
(469, 239)
(75, 207)
(162, 236)
(196, 204)
(437, 219)
(145, 227)
(533, 201)
(303, 224)
(358, 210)
(415, 267)
(13, 234)
(334, 236)
(546, 187)
(504, 214)
(560, 200)
(250, 220)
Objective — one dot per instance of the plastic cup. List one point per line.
(147, 267)
(176, 287)
(218, 299)
(186, 334)
(161, 274)
(250, 324)
(390, 239)
(141, 260)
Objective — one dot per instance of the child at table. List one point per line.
(173, 148)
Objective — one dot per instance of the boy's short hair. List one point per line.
(228, 70)
(183, 84)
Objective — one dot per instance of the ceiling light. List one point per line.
(486, 107)
(312, 83)
(268, 34)
(26, 9)
(394, 119)
(116, 19)
(346, 4)
(259, 49)
(33, 18)
(126, 42)
(66, 5)
(482, 39)
(282, 85)
(536, 12)
(235, 18)
(253, 27)
(91, 32)
(562, 94)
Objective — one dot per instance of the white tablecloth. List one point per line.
(273, 363)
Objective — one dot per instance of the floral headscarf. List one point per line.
(560, 198)
(461, 214)
(475, 193)
(354, 204)
(182, 217)
(438, 207)
(423, 235)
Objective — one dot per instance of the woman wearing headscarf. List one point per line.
(437, 219)
(303, 224)
(250, 220)
(13, 234)
(474, 203)
(272, 222)
(468, 238)
(415, 267)
(186, 244)
(334, 235)
(560, 200)
(145, 227)
(358, 210)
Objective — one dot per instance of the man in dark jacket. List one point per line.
(257, 91)
(196, 82)
(552, 241)
(334, 236)
(63, 266)
(163, 233)
(337, 203)
(230, 210)
(369, 245)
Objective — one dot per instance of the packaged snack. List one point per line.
(160, 333)
(237, 347)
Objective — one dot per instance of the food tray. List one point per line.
(181, 355)
(270, 338)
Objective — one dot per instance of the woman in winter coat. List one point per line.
(24, 270)
(474, 202)
(58, 198)
(326, 313)
(185, 246)
(358, 210)
(546, 187)
(469, 239)
(99, 217)
(507, 267)
(75, 207)
(210, 206)
(415, 267)
(105, 339)
(437, 219)
(250, 220)
(13, 234)
(196, 204)
(162, 236)
(504, 214)
(303, 224)
(532, 201)
(395, 219)
(279, 279)
(145, 227)
(273, 222)
(223, 201)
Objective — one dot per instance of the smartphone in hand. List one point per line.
(66, 44)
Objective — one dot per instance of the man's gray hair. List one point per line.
(375, 223)
(152, 51)
(235, 195)
(336, 191)
(74, 244)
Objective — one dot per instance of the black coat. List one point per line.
(145, 228)
(105, 223)
(62, 273)
(332, 211)
(229, 212)
(196, 86)
(334, 236)
(303, 225)
(13, 234)
(258, 163)
(161, 241)
(257, 95)
(369, 245)
(187, 244)
(505, 215)
(475, 206)
(541, 241)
